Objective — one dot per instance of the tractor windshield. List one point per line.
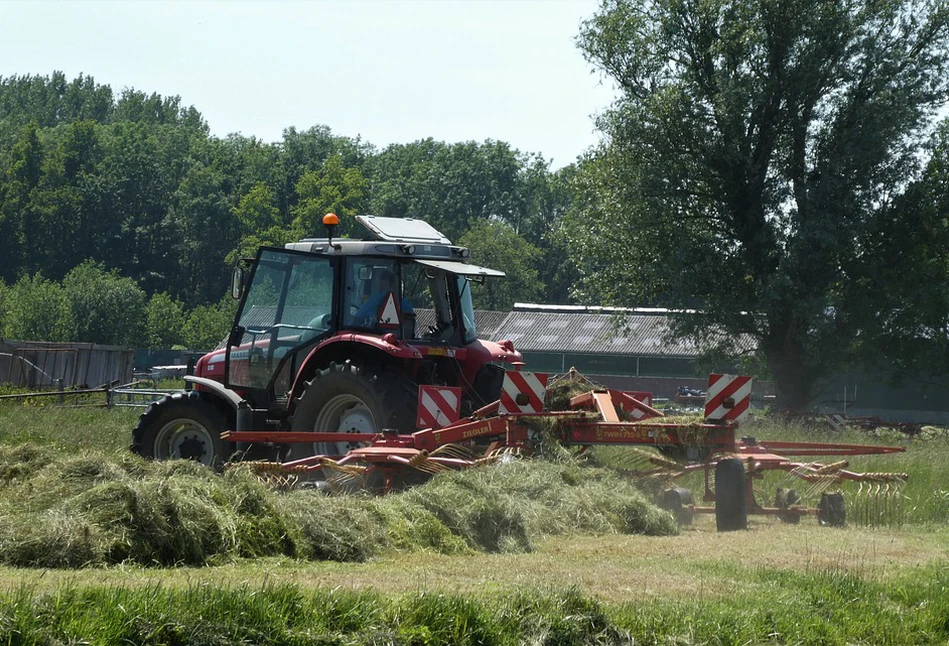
(467, 309)
(289, 303)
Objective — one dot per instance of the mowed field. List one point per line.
(568, 565)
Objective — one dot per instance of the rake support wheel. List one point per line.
(784, 499)
(832, 509)
(731, 510)
(678, 501)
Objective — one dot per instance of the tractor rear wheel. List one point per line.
(349, 398)
(183, 425)
(731, 511)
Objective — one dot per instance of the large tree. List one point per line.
(496, 245)
(751, 160)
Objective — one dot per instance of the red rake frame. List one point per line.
(597, 418)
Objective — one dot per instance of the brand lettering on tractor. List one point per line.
(621, 433)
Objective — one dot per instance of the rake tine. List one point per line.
(452, 451)
(421, 462)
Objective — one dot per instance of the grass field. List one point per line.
(564, 568)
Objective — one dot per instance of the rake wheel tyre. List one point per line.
(832, 510)
(784, 499)
(678, 501)
(182, 426)
(731, 511)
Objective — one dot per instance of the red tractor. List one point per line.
(334, 336)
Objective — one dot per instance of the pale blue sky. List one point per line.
(389, 70)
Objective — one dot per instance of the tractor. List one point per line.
(334, 335)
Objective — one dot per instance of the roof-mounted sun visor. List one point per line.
(460, 268)
(401, 230)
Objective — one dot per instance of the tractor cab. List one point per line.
(397, 297)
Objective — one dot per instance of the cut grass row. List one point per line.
(95, 509)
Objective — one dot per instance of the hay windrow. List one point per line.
(94, 509)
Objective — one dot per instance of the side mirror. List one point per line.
(237, 282)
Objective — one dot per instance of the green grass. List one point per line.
(68, 429)
(527, 552)
(819, 608)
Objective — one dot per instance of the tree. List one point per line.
(207, 325)
(753, 150)
(19, 220)
(36, 309)
(333, 189)
(105, 307)
(496, 245)
(165, 320)
(257, 210)
(205, 230)
(903, 292)
(450, 186)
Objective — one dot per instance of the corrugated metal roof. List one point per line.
(487, 322)
(548, 330)
(591, 333)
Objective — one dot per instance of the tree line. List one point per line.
(775, 173)
(136, 182)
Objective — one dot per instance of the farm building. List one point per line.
(616, 347)
(635, 355)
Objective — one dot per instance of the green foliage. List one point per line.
(332, 189)
(164, 321)
(496, 245)
(257, 209)
(37, 309)
(105, 307)
(749, 161)
(450, 186)
(207, 325)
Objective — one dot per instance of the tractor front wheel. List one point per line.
(182, 426)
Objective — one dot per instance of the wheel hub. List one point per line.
(344, 414)
(187, 440)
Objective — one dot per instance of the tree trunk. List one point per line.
(790, 369)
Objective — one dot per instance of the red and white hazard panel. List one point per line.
(639, 408)
(438, 406)
(523, 392)
(389, 315)
(641, 396)
(728, 398)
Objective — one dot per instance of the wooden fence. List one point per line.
(37, 364)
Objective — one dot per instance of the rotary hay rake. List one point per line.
(518, 425)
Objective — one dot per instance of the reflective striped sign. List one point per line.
(728, 398)
(438, 406)
(523, 392)
(389, 312)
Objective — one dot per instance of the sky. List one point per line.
(388, 71)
